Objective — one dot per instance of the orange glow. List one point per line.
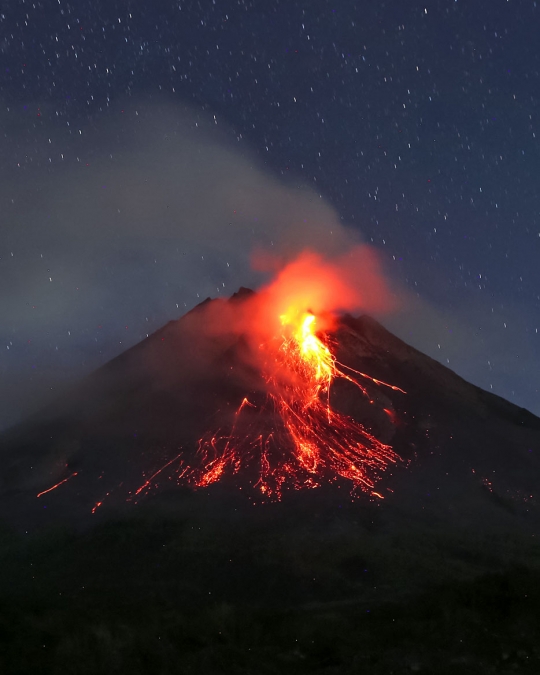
(311, 283)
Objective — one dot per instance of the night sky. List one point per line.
(146, 148)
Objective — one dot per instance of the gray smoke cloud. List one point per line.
(111, 227)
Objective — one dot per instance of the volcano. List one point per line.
(129, 433)
(374, 509)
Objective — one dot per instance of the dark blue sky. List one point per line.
(418, 124)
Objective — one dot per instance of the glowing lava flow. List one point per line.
(294, 438)
(57, 485)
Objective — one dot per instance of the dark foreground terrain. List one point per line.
(304, 587)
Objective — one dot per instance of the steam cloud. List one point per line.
(112, 228)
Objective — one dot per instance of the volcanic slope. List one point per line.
(468, 457)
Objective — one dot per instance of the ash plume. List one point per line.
(114, 226)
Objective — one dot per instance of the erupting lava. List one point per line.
(290, 436)
(294, 437)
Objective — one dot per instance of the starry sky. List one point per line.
(147, 148)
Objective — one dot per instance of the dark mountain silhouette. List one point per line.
(470, 456)
(443, 570)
